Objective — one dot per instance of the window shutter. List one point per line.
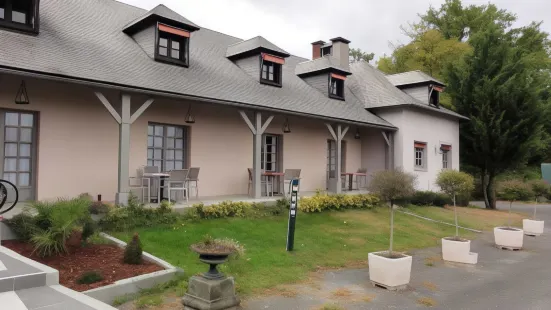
(176, 31)
(274, 59)
(338, 76)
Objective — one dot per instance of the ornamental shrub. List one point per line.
(133, 251)
(324, 202)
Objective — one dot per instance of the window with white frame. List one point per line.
(420, 149)
(166, 146)
(446, 156)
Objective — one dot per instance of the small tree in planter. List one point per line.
(133, 251)
(388, 269)
(456, 183)
(512, 190)
(533, 227)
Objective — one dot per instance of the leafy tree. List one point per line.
(430, 52)
(498, 86)
(392, 185)
(455, 183)
(514, 190)
(459, 22)
(540, 188)
(356, 55)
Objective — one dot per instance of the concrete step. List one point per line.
(10, 300)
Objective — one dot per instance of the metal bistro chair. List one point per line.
(289, 175)
(263, 181)
(362, 175)
(141, 183)
(154, 183)
(193, 181)
(176, 182)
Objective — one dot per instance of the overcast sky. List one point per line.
(293, 24)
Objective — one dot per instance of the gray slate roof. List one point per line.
(162, 11)
(411, 77)
(252, 44)
(320, 64)
(98, 50)
(372, 87)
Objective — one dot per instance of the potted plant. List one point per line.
(390, 269)
(213, 289)
(455, 183)
(509, 237)
(533, 227)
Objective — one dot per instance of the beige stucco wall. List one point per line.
(78, 141)
(423, 126)
(77, 138)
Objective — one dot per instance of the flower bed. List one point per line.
(106, 259)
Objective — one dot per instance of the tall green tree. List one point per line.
(499, 87)
(356, 55)
(430, 53)
(459, 22)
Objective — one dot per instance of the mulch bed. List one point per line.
(105, 259)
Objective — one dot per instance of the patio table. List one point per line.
(351, 177)
(272, 175)
(161, 176)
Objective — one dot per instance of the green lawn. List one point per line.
(330, 239)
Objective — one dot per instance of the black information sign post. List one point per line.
(293, 186)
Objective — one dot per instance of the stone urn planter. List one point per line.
(532, 227)
(458, 250)
(392, 272)
(508, 238)
(212, 289)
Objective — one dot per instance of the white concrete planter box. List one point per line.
(458, 251)
(130, 286)
(508, 237)
(532, 227)
(391, 273)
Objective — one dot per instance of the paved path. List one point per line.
(501, 280)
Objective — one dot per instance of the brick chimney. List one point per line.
(316, 49)
(340, 51)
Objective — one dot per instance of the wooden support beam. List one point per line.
(109, 107)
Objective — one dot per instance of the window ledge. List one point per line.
(16, 27)
(171, 61)
(422, 169)
(271, 83)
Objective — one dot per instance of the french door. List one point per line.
(332, 160)
(271, 156)
(18, 151)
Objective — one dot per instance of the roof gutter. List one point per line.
(151, 92)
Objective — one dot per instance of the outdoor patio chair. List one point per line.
(176, 182)
(141, 183)
(153, 182)
(290, 174)
(362, 175)
(264, 182)
(193, 180)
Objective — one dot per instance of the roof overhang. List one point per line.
(151, 19)
(257, 51)
(153, 92)
(424, 107)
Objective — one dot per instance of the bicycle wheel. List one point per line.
(9, 195)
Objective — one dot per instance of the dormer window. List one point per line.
(336, 86)
(19, 15)
(271, 69)
(172, 45)
(434, 95)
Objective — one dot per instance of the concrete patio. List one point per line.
(501, 280)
